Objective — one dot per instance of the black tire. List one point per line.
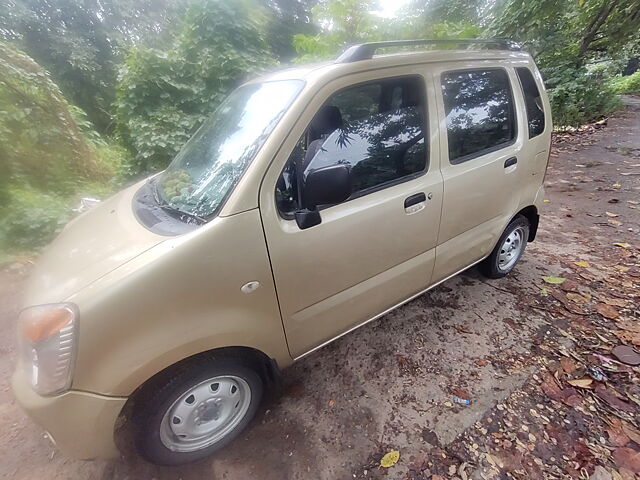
(152, 403)
(490, 267)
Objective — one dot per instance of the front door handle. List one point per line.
(415, 199)
(414, 203)
(510, 161)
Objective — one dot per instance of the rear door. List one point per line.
(377, 248)
(481, 144)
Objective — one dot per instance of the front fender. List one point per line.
(178, 299)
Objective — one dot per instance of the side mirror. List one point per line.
(323, 186)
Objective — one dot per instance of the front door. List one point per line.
(377, 248)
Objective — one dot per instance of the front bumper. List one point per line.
(81, 424)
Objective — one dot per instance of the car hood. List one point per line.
(89, 247)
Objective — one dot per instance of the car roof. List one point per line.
(335, 68)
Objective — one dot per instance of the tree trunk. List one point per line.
(592, 30)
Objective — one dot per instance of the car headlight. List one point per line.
(47, 336)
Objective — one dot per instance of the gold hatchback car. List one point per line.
(311, 202)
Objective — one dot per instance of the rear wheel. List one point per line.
(508, 250)
(196, 411)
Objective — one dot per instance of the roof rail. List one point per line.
(365, 51)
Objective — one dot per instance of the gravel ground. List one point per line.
(510, 346)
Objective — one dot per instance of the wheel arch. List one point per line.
(531, 214)
(266, 367)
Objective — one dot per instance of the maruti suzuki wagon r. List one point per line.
(312, 201)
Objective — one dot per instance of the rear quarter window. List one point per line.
(479, 112)
(533, 101)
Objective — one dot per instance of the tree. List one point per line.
(473, 12)
(164, 94)
(345, 22)
(341, 23)
(46, 156)
(569, 31)
(286, 19)
(80, 42)
(567, 39)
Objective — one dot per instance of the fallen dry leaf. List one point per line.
(581, 382)
(390, 459)
(621, 268)
(582, 264)
(600, 473)
(577, 297)
(612, 399)
(616, 302)
(628, 337)
(632, 432)
(612, 215)
(622, 244)
(626, 354)
(568, 364)
(553, 279)
(627, 458)
(570, 285)
(607, 311)
(493, 461)
(629, 325)
(615, 223)
(617, 436)
(622, 474)
(568, 396)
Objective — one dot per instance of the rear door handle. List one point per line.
(414, 203)
(510, 161)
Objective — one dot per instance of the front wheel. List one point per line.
(508, 250)
(197, 411)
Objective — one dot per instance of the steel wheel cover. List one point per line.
(205, 414)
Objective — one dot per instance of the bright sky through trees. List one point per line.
(389, 8)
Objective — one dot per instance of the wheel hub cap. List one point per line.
(205, 414)
(511, 249)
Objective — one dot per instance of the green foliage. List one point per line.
(80, 42)
(343, 22)
(628, 85)
(564, 37)
(46, 157)
(580, 96)
(473, 12)
(163, 95)
(31, 219)
(286, 19)
(161, 66)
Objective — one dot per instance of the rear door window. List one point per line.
(479, 112)
(533, 101)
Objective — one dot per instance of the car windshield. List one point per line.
(211, 162)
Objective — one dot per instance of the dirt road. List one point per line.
(390, 385)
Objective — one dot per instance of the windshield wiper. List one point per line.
(163, 204)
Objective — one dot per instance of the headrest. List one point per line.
(326, 120)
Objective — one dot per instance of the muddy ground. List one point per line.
(509, 346)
